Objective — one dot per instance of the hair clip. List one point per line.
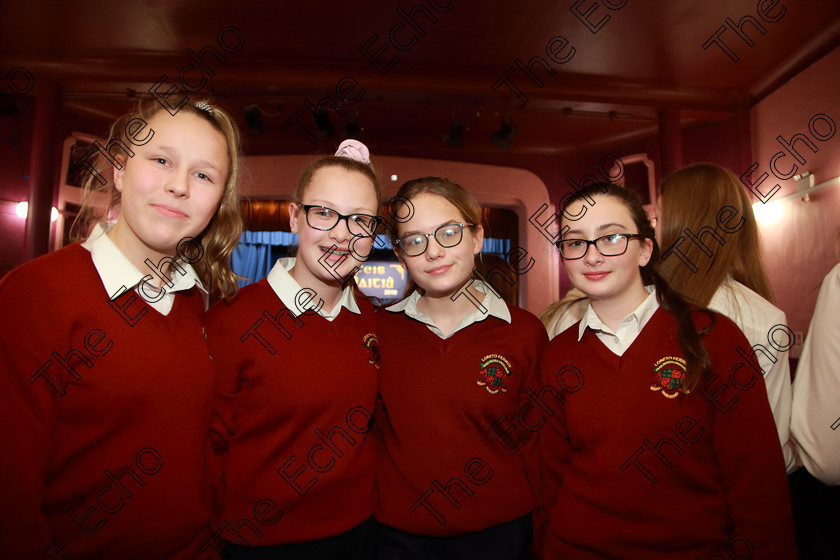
(355, 150)
(204, 106)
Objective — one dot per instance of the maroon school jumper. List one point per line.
(294, 411)
(106, 407)
(636, 470)
(449, 465)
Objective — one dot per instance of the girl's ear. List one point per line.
(294, 211)
(119, 172)
(478, 238)
(645, 251)
(400, 257)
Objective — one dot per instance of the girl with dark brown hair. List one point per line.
(663, 444)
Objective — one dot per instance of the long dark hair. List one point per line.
(698, 364)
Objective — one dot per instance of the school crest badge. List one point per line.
(495, 369)
(669, 377)
(372, 344)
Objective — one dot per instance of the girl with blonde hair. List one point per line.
(297, 362)
(105, 375)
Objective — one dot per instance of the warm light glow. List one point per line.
(768, 214)
(394, 177)
(22, 211)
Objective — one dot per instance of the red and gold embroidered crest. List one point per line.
(372, 344)
(495, 369)
(669, 377)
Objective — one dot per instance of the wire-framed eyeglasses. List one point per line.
(324, 219)
(447, 235)
(611, 245)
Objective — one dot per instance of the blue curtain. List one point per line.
(254, 257)
(499, 247)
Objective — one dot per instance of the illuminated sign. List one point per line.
(382, 279)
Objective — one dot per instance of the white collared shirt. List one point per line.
(118, 274)
(298, 300)
(491, 305)
(618, 342)
(760, 320)
(815, 422)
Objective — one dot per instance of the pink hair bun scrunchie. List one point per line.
(353, 149)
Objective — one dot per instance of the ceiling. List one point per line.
(629, 64)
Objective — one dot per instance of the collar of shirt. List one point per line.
(491, 305)
(628, 329)
(287, 289)
(118, 274)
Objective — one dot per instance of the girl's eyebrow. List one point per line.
(453, 221)
(205, 163)
(172, 151)
(610, 225)
(599, 228)
(326, 204)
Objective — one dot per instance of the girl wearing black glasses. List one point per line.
(297, 368)
(456, 360)
(664, 445)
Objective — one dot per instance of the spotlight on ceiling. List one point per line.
(253, 119)
(323, 123)
(504, 135)
(455, 136)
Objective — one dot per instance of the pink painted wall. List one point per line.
(800, 250)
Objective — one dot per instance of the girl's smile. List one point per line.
(439, 271)
(615, 279)
(171, 187)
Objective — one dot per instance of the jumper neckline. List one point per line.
(629, 357)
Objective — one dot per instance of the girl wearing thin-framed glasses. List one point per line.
(664, 446)
(456, 360)
(297, 366)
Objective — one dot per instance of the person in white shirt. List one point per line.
(712, 256)
(815, 421)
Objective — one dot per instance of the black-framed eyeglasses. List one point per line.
(447, 235)
(324, 219)
(611, 245)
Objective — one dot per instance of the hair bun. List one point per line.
(355, 150)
